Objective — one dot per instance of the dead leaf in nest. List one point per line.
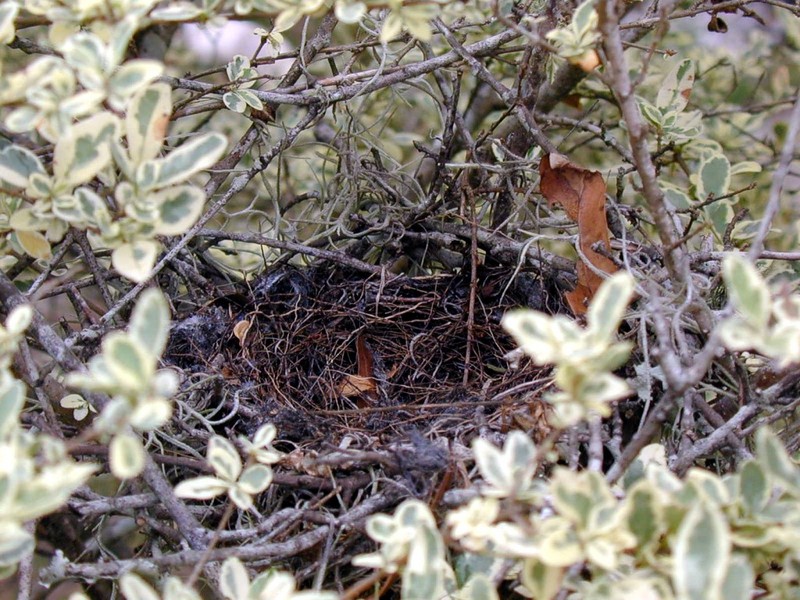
(240, 330)
(582, 193)
(362, 385)
(531, 416)
(355, 385)
(366, 362)
(305, 462)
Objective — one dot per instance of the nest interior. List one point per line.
(325, 352)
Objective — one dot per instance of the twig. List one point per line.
(473, 279)
(187, 524)
(776, 187)
(247, 552)
(328, 255)
(198, 567)
(595, 448)
(25, 569)
(644, 436)
(311, 98)
(718, 438)
(524, 115)
(618, 75)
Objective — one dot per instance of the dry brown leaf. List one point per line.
(366, 363)
(582, 193)
(356, 385)
(362, 385)
(240, 330)
(305, 461)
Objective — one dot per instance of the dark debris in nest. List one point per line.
(324, 352)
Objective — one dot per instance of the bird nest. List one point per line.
(325, 354)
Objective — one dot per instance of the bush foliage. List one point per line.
(625, 170)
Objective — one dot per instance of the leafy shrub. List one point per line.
(402, 140)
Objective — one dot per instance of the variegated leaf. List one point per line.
(146, 122)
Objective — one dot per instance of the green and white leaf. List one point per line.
(240, 498)
(50, 489)
(602, 388)
(234, 582)
(782, 342)
(24, 118)
(150, 414)
(747, 166)
(739, 579)
(177, 11)
(34, 244)
(19, 319)
(772, 455)
(8, 12)
(559, 544)
(644, 514)
(264, 436)
(135, 588)
(608, 306)
(287, 18)
(146, 122)
(540, 579)
(86, 54)
(234, 101)
(128, 361)
(79, 406)
(510, 471)
(175, 589)
(650, 113)
(251, 99)
(12, 398)
(25, 219)
(135, 260)
(392, 27)
(540, 336)
(131, 77)
(17, 164)
(585, 17)
(39, 186)
(126, 456)
(479, 587)
(149, 324)
(84, 150)
(255, 479)
(15, 543)
(423, 578)
(747, 291)
(165, 383)
(201, 488)
(350, 11)
(193, 156)
(677, 87)
(179, 207)
(713, 176)
(93, 208)
(701, 555)
(224, 459)
(678, 198)
(239, 68)
(493, 467)
(737, 334)
(754, 486)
